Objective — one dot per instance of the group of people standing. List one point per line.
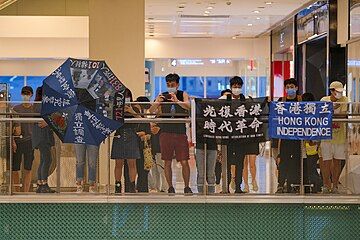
(169, 141)
(328, 154)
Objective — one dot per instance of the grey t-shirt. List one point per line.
(26, 128)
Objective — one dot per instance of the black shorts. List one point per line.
(23, 149)
(251, 148)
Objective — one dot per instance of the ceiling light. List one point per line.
(258, 18)
(268, 3)
(213, 3)
(234, 37)
(210, 7)
(256, 11)
(250, 24)
(207, 12)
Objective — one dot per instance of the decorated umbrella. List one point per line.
(83, 101)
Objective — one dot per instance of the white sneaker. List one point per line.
(79, 188)
(92, 189)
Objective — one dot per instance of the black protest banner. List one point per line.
(243, 120)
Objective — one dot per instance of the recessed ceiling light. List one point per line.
(250, 24)
(258, 18)
(234, 37)
(256, 11)
(268, 3)
(210, 7)
(213, 3)
(207, 12)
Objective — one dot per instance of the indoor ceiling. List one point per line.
(215, 18)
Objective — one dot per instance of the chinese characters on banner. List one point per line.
(301, 120)
(236, 119)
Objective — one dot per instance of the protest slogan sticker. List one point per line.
(235, 119)
(301, 120)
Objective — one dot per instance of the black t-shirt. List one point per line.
(178, 128)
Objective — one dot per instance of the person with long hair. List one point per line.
(42, 139)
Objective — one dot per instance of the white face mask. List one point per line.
(26, 98)
(338, 95)
(236, 91)
(127, 99)
(172, 89)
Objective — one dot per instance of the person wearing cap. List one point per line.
(22, 142)
(333, 151)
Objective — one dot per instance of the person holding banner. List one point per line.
(333, 151)
(289, 157)
(235, 152)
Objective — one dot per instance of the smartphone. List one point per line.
(167, 96)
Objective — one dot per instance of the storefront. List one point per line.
(282, 57)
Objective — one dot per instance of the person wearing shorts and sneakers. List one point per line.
(333, 151)
(173, 138)
(22, 143)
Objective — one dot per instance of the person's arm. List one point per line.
(156, 106)
(184, 104)
(130, 110)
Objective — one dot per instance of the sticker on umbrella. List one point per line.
(83, 101)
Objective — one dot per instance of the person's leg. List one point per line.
(119, 163)
(326, 164)
(218, 172)
(160, 165)
(252, 164)
(93, 156)
(142, 174)
(210, 170)
(28, 161)
(80, 151)
(246, 173)
(239, 170)
(126, 177)
(335, 172)
(185, 172)
(154, 178)
(200, 164)
(132, 174)
(168, 173)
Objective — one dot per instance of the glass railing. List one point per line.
(159, 152)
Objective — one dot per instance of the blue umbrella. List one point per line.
(77, 99)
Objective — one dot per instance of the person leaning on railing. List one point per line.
(334, 151)
(173, 138)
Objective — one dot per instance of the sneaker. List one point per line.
(92, 189)
(171, 190)
(187, 190)
(117, 187)
(335, 190)
(238, 191)
(246, 188)
(79, 188)
(325, 190)
(280, 190)
(47, 189)
(218, 188)
(39, 188)
(255, 186)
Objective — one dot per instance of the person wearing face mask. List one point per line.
(173, 138)
(22, 143)
(333, 151)
(235, 153)
(289, 157)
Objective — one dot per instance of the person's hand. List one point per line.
(129, 109)
(14, 146)
(173, 97)
(42, 124)
(160, 98)
(155, 129)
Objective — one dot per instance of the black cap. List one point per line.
(27, 89)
